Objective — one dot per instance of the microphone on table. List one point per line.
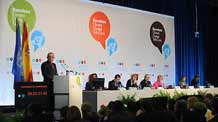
(65, 69)
(70, 70)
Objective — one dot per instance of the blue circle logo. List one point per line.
(166, 51)
(37, 39)
(111, 46)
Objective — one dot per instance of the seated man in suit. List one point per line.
(132, 82)
(115, 84)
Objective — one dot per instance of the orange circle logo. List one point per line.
(99, 27)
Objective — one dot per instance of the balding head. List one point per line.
(50, 57)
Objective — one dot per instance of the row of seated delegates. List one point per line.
(115, 84)
(194, 82)
(132, 82)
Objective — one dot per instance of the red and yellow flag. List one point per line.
(27, 64)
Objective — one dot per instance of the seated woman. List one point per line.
(158, 83)
(195, 81)
(182, 82)
(132, 82)
(90, 85)
(145, 82)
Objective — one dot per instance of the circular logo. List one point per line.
(166, 51)
(157, 35)
(112, 46)
(21, 10)
(37, 39)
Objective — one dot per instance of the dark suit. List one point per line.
(195, 83)
(130, 84)
(144, 83)
(48, 71)
(90, 86)
(112, 85)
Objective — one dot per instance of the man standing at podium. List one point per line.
(48, 69)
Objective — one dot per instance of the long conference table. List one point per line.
(99, 98)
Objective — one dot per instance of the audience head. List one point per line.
(160, 103)
(191, 101)
(86, 108)
(200, 108)
(50, 57)
(181, 106)
(110, 104)
(146, 105)
(132, 107)
(134, 77)
(63, 112)
(208, 99)
(147, 77)
(214, 105)
(117, 78)
(117, 107)
(73, 114)
(170, 104)
(34, 109)
(88, 114)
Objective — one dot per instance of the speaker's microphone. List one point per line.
(65, 69)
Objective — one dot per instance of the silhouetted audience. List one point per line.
(157, 109)
(118, 113)
(197, 113)
(63, 113)
(34, 113)
(88, 114)
(214, 107)
(208, 98)
(73, 114)
(180, 109)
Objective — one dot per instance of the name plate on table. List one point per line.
(133, 88)
(177, 87)
(211, 86)
(160, 88)
(146, 88)
(122, 89)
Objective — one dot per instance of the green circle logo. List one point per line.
(21, 10)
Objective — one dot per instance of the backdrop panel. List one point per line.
(88, 37)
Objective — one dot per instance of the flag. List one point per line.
(27, 64)
(17, 69)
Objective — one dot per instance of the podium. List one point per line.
(67, 91)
